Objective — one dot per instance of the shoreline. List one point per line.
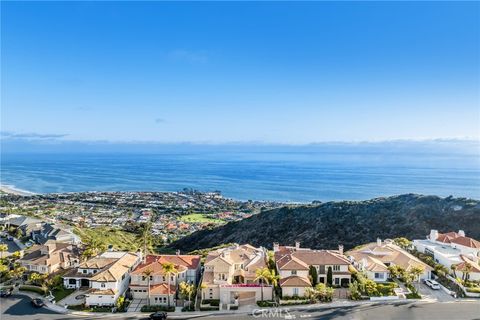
(7, 188)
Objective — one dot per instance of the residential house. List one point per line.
(187, 270)
(230, 275)
(375, 258)
(23, 223)
(48, 232)
(107, 275)
(294, 263)
(50, 257)
(450, 248)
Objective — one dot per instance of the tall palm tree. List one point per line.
(148, 273)
(169, 269)
(146, 238)
(263, 275)
(416, 272)
(3, 248)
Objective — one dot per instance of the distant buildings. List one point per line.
(294, 263)
(375, 258)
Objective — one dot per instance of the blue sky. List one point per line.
(289, 73)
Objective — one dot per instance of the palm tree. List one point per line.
(416, 272)
(466, 272)
(146, 237)
(3, 248)
(263, 275)
(169, 269)
(453, 267)
(148, 273)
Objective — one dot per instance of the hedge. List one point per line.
(32, 289)
(265, 303)
(212, 302)
(473, 290)
(208, 308)
(154, 308)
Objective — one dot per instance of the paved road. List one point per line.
(18, 307)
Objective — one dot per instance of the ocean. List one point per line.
(290, 175)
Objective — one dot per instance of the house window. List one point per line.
(151, 278)
(103, 285)
(84, 271)
(337, 281)
(336, 268)
(143, 278)
(163, 278)
(294, 272)
(378, 275)
(295, 291)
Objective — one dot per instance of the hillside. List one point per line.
(348, 222)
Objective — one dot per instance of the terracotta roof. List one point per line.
(162, 289)
(467, 242)
(295, 281)
(462, 266)
(155, 265)
(308, 257)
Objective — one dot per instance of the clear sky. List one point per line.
(240, 72)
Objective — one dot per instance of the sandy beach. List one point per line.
(12, 190)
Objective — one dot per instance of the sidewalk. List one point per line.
(186, 315)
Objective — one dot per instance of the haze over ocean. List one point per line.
(298, 174)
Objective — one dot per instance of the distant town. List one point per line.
(102, 252)
(172, 214)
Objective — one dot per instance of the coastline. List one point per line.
(6, 188)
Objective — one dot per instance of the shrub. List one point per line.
(473, 290)
(188, 308)
(265, 303)
(234, 308)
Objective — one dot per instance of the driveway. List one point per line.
(136, 305)
(433, 295)
(76, 298)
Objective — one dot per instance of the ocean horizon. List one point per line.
(287, 175)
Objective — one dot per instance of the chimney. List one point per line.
(379, 242)
(297, 245)
(177, 252)
(276, 247)
(433, 235)
(340, 248)
(461, 233)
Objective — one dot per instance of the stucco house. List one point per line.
(50, 257)
(448, 248)
(187, 270)
(230, 275)
(375, 258)
(293, 265)
(107, 276)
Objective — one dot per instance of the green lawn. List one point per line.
(60, 293)
(121, 240)
(199, 218)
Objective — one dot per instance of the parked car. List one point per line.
(29, 243)
(159, 315)
(5, 293)
(38, 303)
(432, 284)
